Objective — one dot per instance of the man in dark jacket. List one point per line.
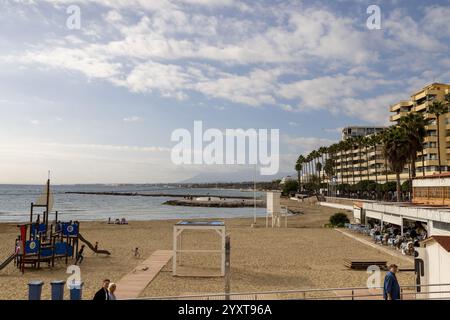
(391, 288)
(102, 294)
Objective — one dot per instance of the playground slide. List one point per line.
(7, 261)
(92, 247)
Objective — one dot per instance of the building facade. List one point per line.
(367, 163)
(420, 102)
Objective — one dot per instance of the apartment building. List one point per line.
(361, 162)
(367, 163)
(420, 102)
(359, 131)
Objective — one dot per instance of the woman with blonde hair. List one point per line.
(111, 289)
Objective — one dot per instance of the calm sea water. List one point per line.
(15, 203)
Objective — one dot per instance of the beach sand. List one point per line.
(305, 255)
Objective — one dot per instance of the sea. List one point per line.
(15, 201)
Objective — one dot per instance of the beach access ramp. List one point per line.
(7, 261)
(98, 251)
(132, 284)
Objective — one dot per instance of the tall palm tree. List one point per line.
(299, 168)
(383, 136)
(358, 142)
(414, 126)
(396, 150)
(309, 159)
(323, 152)
(319, 169)
(366, 142)
(437, 109)
(352, 144)
(375, 140)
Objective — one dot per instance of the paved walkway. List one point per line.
(131, 285)
(389, 251)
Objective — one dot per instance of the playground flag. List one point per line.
(46, 195)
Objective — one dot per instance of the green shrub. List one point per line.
(290, 186)
(339, 219)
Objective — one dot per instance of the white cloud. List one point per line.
(133, 119)
(302, 145)
(176, 49)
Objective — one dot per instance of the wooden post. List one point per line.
(174, 258)
(227, 267)
(47, 205)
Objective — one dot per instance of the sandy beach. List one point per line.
(305, 255)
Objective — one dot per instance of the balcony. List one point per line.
(422, 106)
(398, 106)
(430, 139)
(428, 163)
(430, 151)
(397, 116)
(432, 127)
(428, 116)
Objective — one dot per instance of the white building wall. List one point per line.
(432, 182)
(438, 270)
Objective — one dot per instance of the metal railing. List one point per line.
(306, 294)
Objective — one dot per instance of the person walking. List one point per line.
(111, 289)
(103, 293)
(80, 256)
(391, 287)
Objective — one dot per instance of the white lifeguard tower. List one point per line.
(275, 211)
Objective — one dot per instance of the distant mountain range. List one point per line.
(237, 176)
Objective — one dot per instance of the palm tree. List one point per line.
(366, 144)
(437, 109)
(309, 159)
(319, 169)
(396, 150)
(299, 168)
(323, 152)
(383, 136)
(375, 140)
(352, 142)
(358, 141)
(414, 126)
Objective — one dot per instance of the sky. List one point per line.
(98, 104)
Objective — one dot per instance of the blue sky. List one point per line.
(99, 104)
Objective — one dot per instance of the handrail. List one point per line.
(302, 291)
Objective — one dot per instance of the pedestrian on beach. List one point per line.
(136, 252)
(111, 289)
(103, 293)
(80, 256)
(391, 288)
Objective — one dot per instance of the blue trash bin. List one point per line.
(35, 290)
(58, 289)
(76, 290)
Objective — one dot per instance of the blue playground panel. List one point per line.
(69, 229)
(201, 223)
(61, 248)
(46, 252)
(32, 247)
(41, 228)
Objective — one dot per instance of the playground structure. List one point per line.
(42, 241)
(275, 211)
